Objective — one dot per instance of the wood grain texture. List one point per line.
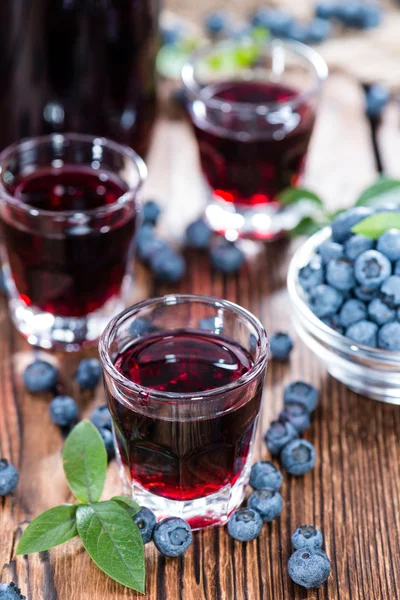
(353, 494)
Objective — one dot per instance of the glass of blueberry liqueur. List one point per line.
(184, 378)
(253, 107)
(68, 213)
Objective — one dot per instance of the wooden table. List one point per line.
(353, 494)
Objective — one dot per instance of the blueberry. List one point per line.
(264, 474)
(397, 267)
(363, 332)
(371, 16)
(318, 30)
(281, 345)
(390, 291)
(389, 337)
(277, 21)
(334, 323)
(40, 376)
(141, 326)
(389, 244)
(145, 521)
(324, 300)
(268, 503)
(329, 249)
(278, 435)
(8, 477)
(170, 35)
(147, 244)
(298, 457)
(357, 244)
(376, 98)
(365, 294)
(371, 268)
(326, 10)
(245, 524)
(380, 312)
(297, 32)
(215, 23)
(9, 591)
(360, 15)
(302, 392)
(342, 224)
(88, 373)
(340, 274)
(312, 274)
(226, 257)
(108, 440)
(297, 415)
(151, 212)
(198, 234)
(352, 311)
(168, 266)
(307, 536)
(101, 417)
(309, 568)
(172, 536)
(63, 411)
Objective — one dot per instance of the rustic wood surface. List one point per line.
(353, 494)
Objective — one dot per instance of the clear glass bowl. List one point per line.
(368, 371)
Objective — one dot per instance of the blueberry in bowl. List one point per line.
(349, 314)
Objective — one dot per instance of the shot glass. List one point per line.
(68, 212)
(252, 106)
(184, 378)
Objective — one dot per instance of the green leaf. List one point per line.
(128, 504)
(260, 34)
(293, 195)
(170, 60)
(51, 528)
(375, 225)
(85, 462)
(307, 226)
(383, 190)
(114, 543)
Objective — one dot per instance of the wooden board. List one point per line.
(353, 494)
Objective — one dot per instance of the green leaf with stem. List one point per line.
(384, 190)
(50, 529)
(128, 504)
(375, 225)
(293, 195)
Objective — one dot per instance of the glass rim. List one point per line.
(27, 143)
(190, 83)
(171, 299)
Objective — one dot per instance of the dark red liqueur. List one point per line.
(185, 459)
(248, 161)
(73, 272)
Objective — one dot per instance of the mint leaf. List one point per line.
(375, 225)
(383, 190)
(85, 462)
(114, 543)
(293, 195)
(51, 528)
(128, 504)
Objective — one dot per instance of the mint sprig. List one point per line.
(107, 530)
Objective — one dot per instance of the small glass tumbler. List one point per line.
(68, 212)
(252, 105)
(185, 454)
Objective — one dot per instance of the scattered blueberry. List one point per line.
(278, 435)
(172, 536)
(151, 212)
(140, 326)
(277, 21)
(365, 294)
(342, 224)
(147, 244)
(380, 312)
(389, 337)
(309, 568)
(329, 249)
(9, 591)
(356, 245)
(297, 32)
(376, 98)
(268, 503)
(318, 30)
(363, 332)
(307, 536)
(334, 323)
(168, 266)
(371, 268)
(359, 15)
(63, 411)
(312, 274)
(297, 414)
(389, 244)
(397, 267)
(280, 345)
(215, 23)
(245, 524)
(198, 235)
(145, 521)
(88, 373)
(324, 300)
(101, 417)
(108, 440)
(264, 474)
(340, 274)
(40, 376)
(226, 257)
(298, 457)
(170, 35)
(352, 311)
(390, 290)
(8, 477)
(326, 10)
(301, 392)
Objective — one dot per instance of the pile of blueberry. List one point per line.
(353, 282)
(9, 591)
